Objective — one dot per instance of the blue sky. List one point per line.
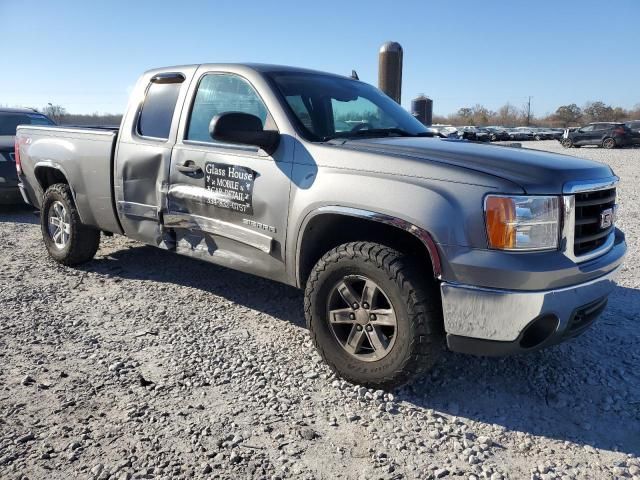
(86, 55)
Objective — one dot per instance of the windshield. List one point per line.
(9, 121)
(327, 107)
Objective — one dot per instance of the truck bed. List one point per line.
(84, 156)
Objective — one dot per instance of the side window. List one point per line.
(157, 110)
(221, 93)
(588, 128)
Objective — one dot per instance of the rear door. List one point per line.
(143, 153)
(228, 203)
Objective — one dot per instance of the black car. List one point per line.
(497, 134)
(10, 118)
(634, 126)
(602, 134)
(474, 133)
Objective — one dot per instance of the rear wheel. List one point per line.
(372, 315)
(609, 143)
(537, 137)
(567, 143)
(67, 239)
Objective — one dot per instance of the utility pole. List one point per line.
(529, 111)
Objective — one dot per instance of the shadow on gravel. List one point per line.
(586, 391)
(21, 213)
(151, 263)
(572, 392)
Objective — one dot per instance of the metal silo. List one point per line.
(422, 109)
(390, 70)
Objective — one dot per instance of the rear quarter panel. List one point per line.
(84, 157)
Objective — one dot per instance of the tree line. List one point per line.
(60, 115)
(508, 115)
(565, 116)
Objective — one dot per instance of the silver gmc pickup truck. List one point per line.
(402, 242)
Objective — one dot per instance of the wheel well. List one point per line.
(48, 176)
(327, 231)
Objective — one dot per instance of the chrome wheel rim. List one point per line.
(59, 224)
(361, 318)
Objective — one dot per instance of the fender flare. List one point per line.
(421, 234)
(55, 166)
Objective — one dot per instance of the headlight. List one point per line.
(522, 223)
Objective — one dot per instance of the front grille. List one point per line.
(589, 207)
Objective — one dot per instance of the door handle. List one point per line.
(189, 167)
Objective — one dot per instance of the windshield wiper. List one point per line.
(376, 132)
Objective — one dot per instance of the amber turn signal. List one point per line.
(501, 222)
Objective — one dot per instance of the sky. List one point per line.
(86, 55)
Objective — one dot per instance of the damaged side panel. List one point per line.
(141, 191)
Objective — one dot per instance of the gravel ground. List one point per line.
(143, 364)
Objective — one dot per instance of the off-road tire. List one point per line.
(414, 295)
(83, 240)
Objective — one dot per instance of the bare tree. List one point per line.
(55, 112)
(598, 112)
(568, 115)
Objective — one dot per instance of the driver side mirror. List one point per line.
(243, 129)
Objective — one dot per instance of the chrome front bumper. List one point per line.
(498, 316)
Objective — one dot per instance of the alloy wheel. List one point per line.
(59, 224)
(362, 319)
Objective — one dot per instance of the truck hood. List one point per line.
(535, 171)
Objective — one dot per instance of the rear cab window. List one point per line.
(156, 115)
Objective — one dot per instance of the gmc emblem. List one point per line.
(606, 218)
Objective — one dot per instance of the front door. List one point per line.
(585, 136)
(228, 203)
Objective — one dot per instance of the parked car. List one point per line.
(10, 118)
(470, 132)
(446, 131)
(483, 134)
(534, 133)
(540, 133)
(602, 134)
(518, 134)
(557, 133)
(634, 126)
(497, 134)
(400, 241)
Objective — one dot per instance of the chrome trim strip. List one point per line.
(218, 227)
(494, 314)
(590, 186)
(57, 128)
(139, 210)
(418, 232)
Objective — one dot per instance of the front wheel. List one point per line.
(374, 317)
(609, 143)
(67, 239)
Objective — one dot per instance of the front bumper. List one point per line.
(488, 321)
